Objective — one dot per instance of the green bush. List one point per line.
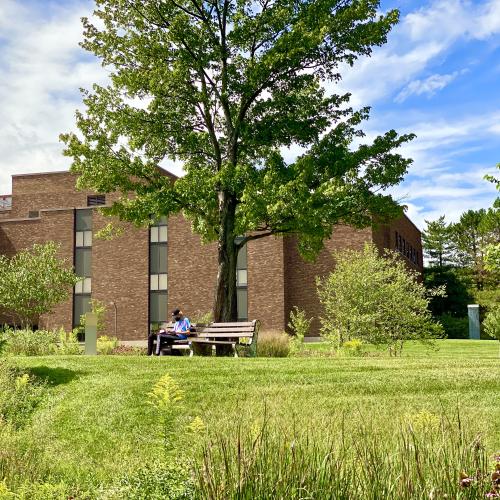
(157, 481)
(20, 393)
(106, 345)
(353, 347)
(455, 328)
(299, 325)
(273, 344)
(491, 323)
(40, 342)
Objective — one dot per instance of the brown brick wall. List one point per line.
(266, 286)
(192, 269)
(384, 236)
(300, 276)
(120, 279)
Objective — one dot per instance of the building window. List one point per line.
(158, 272)
(96, 199)
(242, 283)
(83, 265)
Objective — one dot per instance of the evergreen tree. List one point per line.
(437, 244)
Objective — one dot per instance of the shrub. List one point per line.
(20, 393)
(299, 325)
(376, 299)
(157, 481)
(353, 347)
(40, 342)
(491, 323)
(273, 344)
(33, 282)
(106, 345)
(455, 328)
(99, 309)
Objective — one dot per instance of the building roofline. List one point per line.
(62, 172)
(411, 222)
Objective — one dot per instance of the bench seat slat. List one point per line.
(204, 335)
(207, 341)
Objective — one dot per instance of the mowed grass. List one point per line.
(96, 424)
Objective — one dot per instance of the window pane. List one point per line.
(154, 234)
(83, 262)
(242, 300)
(241, 277)
(158, 259)
(162, 282)
(154, 282)
(79, 239)
(163, 233)
(158, 307)
(84, 220)
(241, 262)
(81, 306)
(87, 285)
(87, 238)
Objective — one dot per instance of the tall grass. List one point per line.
(340, 461)
(273, 344)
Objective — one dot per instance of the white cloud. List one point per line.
(421, 38)
(429, 85)
(42, 69)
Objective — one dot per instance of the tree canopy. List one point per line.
(33, 282)
(224, 87)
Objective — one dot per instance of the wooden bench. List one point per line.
(229, 334)
(240, 334)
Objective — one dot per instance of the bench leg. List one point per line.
(191, 352)
(235, 351)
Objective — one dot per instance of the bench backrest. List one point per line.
(241, 329)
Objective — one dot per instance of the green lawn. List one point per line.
(96, 424)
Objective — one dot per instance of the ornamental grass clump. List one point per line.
(343, 459)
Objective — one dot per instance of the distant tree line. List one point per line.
(464, 257)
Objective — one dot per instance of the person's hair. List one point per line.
(176, 312)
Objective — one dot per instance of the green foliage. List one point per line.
(429, 457)
(299, 325)
(491, 323)
(437, 244)
(223, 88)
(454, 328)
(106, 345)
(273, 344)
(33, 282)
(20, 394)
(40, 342)
(375, 299)
(457, 285)
(97, 307)
(353, 347)
(202, 318)
(156, 481)
(492, 257)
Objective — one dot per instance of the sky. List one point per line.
(438, 77)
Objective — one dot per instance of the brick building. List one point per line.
(144, 273)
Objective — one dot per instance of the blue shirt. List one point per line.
(182, 326)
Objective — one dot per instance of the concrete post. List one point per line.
(91, 334)
(474, 331)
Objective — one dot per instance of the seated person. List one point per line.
(181, 329)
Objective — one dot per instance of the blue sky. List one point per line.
(438, 76)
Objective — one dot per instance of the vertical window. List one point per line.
(158, 272)
(83, 264)
(242, 283)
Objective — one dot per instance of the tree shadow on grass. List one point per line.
(55, 376)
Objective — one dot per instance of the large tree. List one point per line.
(223, 86)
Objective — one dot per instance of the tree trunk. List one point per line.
(225, 306)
